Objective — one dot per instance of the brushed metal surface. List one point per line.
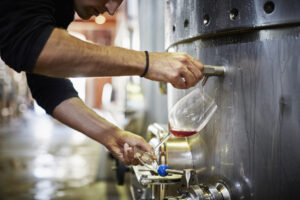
(204, 18)
(178, 153)
(252, 142)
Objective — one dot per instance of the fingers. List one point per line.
(189, 72)
(196, 67)
(126, 154)
(179, 82)
(146, 147)
(198, 64)
(137, 141)
(142, 144)
(128, 141)
(189, 77)
(186, 78)
(129, 157)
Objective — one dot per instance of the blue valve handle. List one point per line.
(162, 170)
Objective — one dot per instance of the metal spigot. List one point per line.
(211, 70)
(189, 176)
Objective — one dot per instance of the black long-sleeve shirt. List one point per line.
(25, 27)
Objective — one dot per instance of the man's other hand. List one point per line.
(180, 69)
(122, 143)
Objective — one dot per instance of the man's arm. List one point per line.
(74, 113)
(58, 97)
(66, 56)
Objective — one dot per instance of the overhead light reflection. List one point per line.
(100, 19)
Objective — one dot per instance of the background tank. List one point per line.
(252, 142)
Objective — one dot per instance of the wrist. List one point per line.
(141, 61)
(108, 134)
(131, 61)
(137, 62)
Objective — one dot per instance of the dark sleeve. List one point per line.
(50, 92)
(25, 26)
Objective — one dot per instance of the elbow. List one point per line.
(14, 62)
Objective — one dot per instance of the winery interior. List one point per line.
(149, 100)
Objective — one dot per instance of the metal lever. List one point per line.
(211, 70)
(175, 171)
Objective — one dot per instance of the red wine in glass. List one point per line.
(177, 133)
(181, 133)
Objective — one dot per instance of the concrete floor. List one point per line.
(42, 159)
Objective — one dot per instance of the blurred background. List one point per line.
(42, 159)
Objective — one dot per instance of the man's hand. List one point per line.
(180, 69)
(122, 143)
(74, 113)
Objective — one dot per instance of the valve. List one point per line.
(211, 70)
(192, 190)
(208, 192)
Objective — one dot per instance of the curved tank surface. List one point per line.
(252, 143)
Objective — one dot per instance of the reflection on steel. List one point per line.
(178, 153)
(201, 192)
(251, 143)
(223, 190)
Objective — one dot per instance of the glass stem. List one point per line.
(162, 141)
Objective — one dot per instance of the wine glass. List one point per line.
(187, 117)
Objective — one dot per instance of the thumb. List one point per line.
(137, 141)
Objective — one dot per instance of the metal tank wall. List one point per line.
(252, 142)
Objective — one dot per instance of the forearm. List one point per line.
(67, 56)
(75, 114)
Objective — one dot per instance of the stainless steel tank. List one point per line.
(252, 144)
